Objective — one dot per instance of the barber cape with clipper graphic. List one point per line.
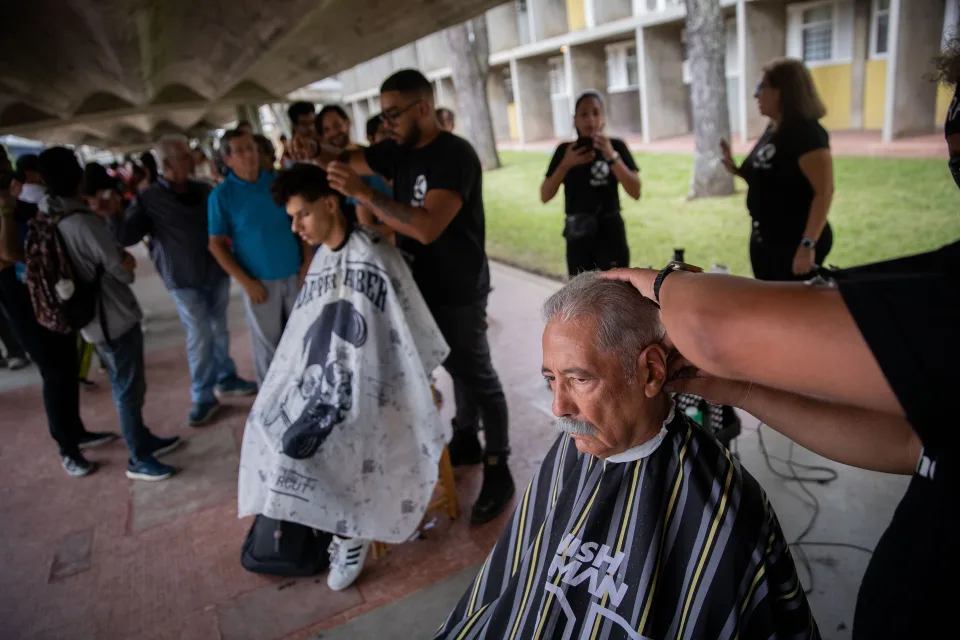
(344, 435)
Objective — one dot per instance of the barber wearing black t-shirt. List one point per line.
(590, 170)
(437, 212)
(789, 173)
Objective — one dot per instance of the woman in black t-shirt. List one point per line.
(590, 170)
(789, 173)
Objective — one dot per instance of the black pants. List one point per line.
(607, 250)
(476, 386)
(772, 258)
(55, 355)
(10, 342)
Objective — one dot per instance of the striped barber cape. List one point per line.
(681, 543)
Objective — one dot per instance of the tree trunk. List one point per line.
(470, 61)
(706, 44)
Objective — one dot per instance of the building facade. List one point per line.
(870, 60)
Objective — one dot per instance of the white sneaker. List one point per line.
(346, 561)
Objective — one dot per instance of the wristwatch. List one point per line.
(616, 157)
(808, 243)
(672, 266)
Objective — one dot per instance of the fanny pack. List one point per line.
(581, 226)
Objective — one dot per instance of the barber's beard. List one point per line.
(576, 427)
(412, 138)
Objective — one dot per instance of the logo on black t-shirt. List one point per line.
(419, 191)
(599, 173)
(764, 156)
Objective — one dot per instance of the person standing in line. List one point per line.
(789, 176)
(448, 121)
(115, 328)
(173, 212)
(304, 144)
(437, 212)
(591, 169)
(250, 237)
(333, 127)
(268, 155)
(53, 353)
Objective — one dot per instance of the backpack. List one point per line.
(76, 304)
(288, 549)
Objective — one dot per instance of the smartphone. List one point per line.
(583, 142)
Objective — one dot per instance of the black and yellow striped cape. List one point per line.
(680, 544)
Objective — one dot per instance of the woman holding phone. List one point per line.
(789, 175)
(590, 170)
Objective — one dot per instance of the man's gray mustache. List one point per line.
(576, 427)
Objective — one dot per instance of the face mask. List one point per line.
(955, 169)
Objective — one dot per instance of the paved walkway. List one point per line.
(842, 143)
(104, 557)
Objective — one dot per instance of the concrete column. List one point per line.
(531, 90)
(762, 35)
(916, 28)
(861, 49)
(663, 109)
(497, 98)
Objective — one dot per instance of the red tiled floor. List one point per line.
(179, 575)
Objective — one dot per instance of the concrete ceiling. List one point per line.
(120, 73)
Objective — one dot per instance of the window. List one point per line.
(558, 77)
(880, 32)
(622, 70)
(817, 33)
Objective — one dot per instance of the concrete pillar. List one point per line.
(762, 35)
(663, 104)
(531, 90)
(916, 28)
(357, 122)
(861, 49)
(497, 98)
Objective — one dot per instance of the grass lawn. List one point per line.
(882, 208)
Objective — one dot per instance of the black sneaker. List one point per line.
(464, 448)
(163, 446)
(93, 439)
(496, 493)
(78, 466)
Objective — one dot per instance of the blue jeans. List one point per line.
(124, 360)
(203, 312)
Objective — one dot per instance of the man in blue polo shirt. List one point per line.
(250, 237)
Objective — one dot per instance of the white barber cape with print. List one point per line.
(344, 435)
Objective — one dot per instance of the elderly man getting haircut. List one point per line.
(638, 523)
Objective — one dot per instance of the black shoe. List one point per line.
(464, 448)
(78, 466)
(93, 439)
(496, 493)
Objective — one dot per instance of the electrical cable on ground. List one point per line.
(819, 475)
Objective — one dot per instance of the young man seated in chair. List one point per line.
(345, 436)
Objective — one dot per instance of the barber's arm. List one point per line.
(849, 435)
(788, 336)
(355, 159)
(817, 166)
(423, 224)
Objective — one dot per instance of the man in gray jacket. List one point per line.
(116, 331)
(173, 212)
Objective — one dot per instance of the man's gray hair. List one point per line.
(166, 147)
(626, 322)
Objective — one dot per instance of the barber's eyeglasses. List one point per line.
(391, 116)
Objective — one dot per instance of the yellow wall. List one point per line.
(834, 84)
(874, 94)
(512, 121)
(576, 19)
(944, 96)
